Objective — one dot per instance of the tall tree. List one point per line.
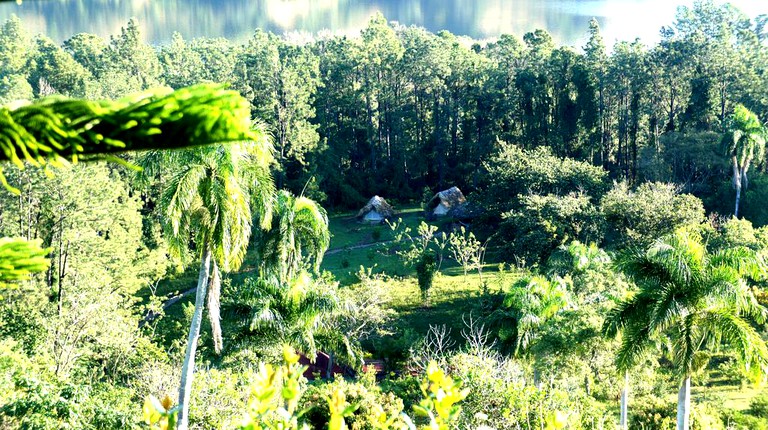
(57, 71)
(696, 300)
(182, 65)
(745, 143)
(87, 49)
(597, 63)
(210, 197)
(297, 238)
(281, 80)
(132, 65)
(17, 51)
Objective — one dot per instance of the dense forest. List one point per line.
(607, 269)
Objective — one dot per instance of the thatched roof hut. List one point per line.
(447, 202)
(375, 211)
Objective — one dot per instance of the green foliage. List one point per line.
(687, 293)
(652, 210)
(56, 71)
(394, 111)
(653, 413)
(744, 142)
(543, 223)
(296, 239)
(518, 172)
(441, 398)
(160, 414)
(758, 406)
(529, 302)
(742, 421)
(275, 395)
(689, 159)
(20, 259)
(93, 228)
(466, 250)
(297, 313)
(426, 268)
(372, 407)
(52, 128)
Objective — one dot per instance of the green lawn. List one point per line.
(347, 231)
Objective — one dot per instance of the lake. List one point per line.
(566, 20)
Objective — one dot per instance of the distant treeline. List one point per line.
(399, 110)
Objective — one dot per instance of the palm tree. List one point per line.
(696, 301)
(210, 199)
(293, 313)
(745, 143)
(576, 257)
(527, 305)
(298, 237)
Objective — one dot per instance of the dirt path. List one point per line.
(353, 247)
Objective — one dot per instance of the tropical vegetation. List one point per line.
(179, 246)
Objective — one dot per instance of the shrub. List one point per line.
(278, 395)
(652, 210)
(759, 405)
(368, 399)
(376, 234)
(516, 171)
(543, 223)
(736, 420)
(652, 413)
(426, 268)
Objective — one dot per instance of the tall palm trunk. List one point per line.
(684, 405)
(736, 184)
(624, 401)
(187, 371)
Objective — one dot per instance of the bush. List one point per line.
(368, 398)
(759, 406)
(654, 209)
(516, 171)
(736, 420)
(426, 268)
(652, 413)
(543, 223)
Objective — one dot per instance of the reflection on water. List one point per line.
(236, 19)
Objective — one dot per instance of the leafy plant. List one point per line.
(442, 396)
(160, 414)
(51, 129)
(426, 268)
(20, 259)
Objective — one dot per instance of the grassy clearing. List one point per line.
(346, 231)
(452, 298)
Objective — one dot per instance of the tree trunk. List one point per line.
(624, 401)
(684, 405)
(737, 185)
(188, 369)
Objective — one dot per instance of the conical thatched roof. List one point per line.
(379, 205)
(450, 198)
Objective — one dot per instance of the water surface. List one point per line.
(566, 20)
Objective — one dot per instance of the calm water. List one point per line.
(236, 19)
